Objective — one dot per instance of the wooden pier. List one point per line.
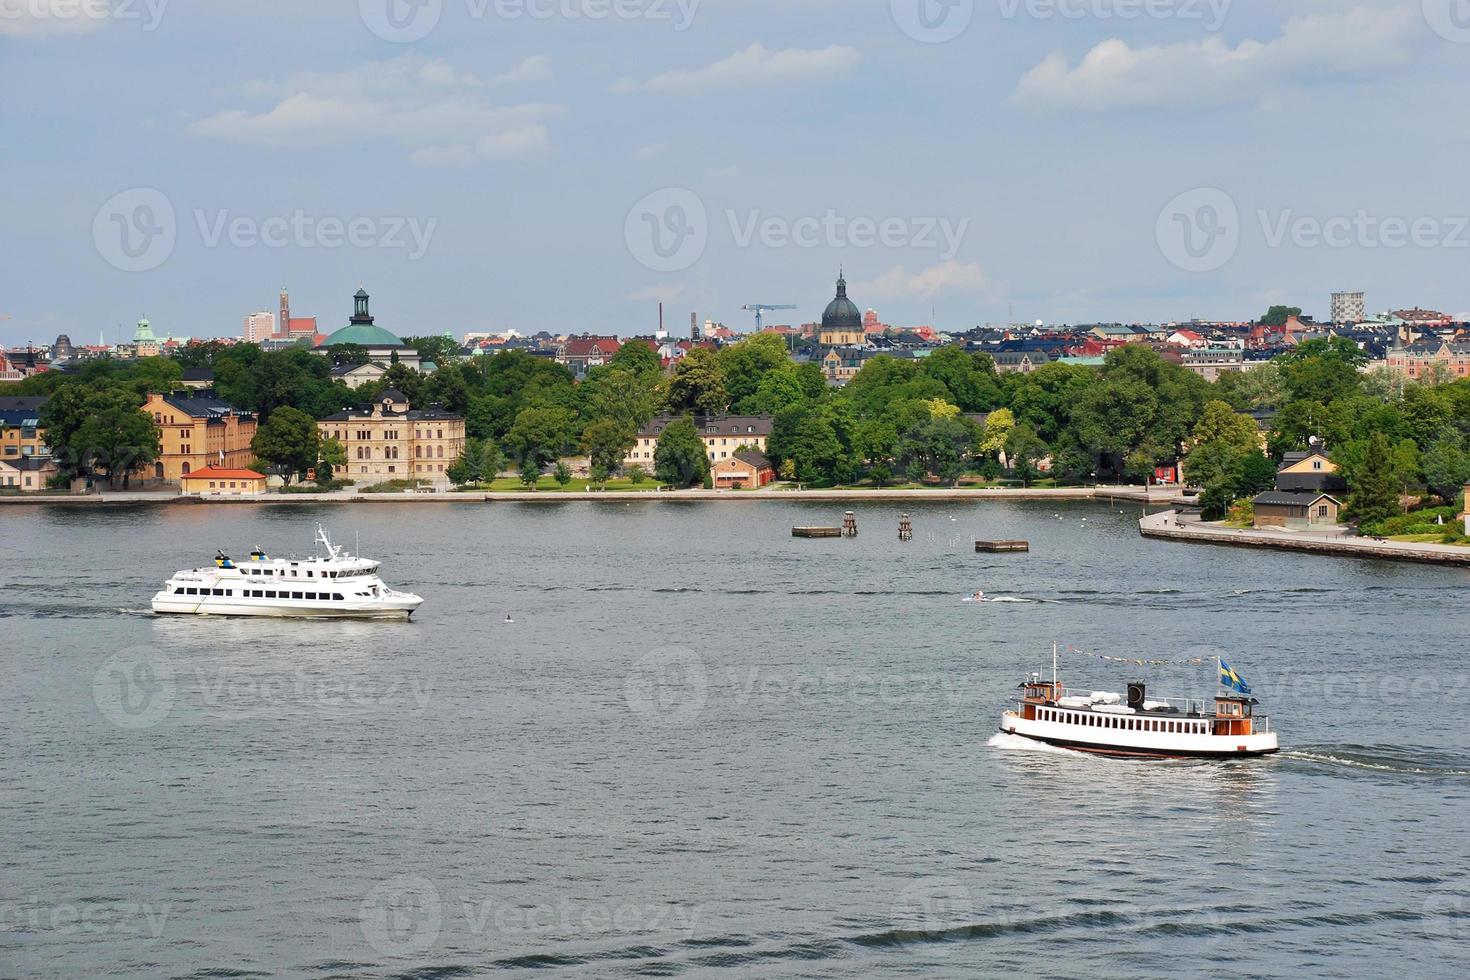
(816, 532)
(1002, 546)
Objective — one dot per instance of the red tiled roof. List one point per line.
(220, 473)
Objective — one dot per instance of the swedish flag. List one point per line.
(1229, 678)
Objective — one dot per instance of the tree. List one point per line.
(698, 384)
(969, 378)
(562, 473)
(1277, 316)
(330, 455)
(288, 441)
(636, 474)
(936, 446)
(746, 363)
(99, 432)
(1023, 449)
(606, 445)
(530, 473)
(806, 438)
(998, 426)
(480, 462)
(1220, 423)
(1372, 496)
(438, 350)
(354, 354)
(1446, 467)
(680, 458)
(637, 357)
(539, 435)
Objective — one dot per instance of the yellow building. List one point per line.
(723, 436)
(219, 481)
(21, 434)
(197, 432)
(392, 441)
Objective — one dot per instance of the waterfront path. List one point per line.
(1174, 526)
(1148, 495)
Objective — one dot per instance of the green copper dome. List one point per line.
(361, 330)
(365, 334)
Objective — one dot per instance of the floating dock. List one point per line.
(816, 532)
(1002, 546)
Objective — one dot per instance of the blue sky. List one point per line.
(1065, 159)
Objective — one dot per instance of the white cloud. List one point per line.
(756, 65)
(951, 276)
(442, 114)
(1113, 75)
(39, 18)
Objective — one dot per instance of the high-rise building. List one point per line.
(259, 326)
(1347, 308)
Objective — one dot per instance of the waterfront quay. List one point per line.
(1178, 526)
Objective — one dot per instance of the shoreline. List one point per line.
(1133, 493)
(1166, 526)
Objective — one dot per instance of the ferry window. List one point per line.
(270, 594)
(336, 597)
(296, 595)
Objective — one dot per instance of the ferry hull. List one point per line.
(171, 605)
(1141, 745)
(1131, 752)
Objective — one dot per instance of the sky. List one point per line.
(564, 165)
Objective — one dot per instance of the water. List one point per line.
(705, 747)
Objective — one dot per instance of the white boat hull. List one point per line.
(164, 603)
(1142, 744)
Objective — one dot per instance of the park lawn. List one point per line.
(1427, 539)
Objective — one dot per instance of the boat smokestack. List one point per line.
(1135, 695)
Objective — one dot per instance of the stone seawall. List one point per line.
(1168, 526)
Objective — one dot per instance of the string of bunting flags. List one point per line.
(1190, 662)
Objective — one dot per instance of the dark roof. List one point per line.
(434, 413)
(715, 425)
(1294, 457)
(198, 374)
(392, 393)
(1284, 498)
(22, 403)
(204, 407)
(28, 462)
(756, 459)
(842, 314)
(1318, 481)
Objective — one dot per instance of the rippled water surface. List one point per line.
(702, 746)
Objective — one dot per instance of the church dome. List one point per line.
(841, 315)
(360, 329)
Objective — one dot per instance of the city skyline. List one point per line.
(516, 171)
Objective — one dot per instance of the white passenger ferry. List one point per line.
(1137, 725)
(336, 584)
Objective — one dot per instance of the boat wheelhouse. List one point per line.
(1225, 726)
(333, 584)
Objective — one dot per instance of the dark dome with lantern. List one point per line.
(841, 315)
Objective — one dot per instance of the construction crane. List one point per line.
(759, 308)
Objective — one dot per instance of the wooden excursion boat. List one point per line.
(1139, 726)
